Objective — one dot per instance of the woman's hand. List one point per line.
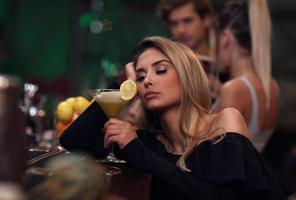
(118, 131)
(130, 71)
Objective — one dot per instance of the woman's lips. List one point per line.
(150, 95)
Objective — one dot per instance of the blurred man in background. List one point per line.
(189, 22)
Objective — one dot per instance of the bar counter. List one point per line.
(131, 184)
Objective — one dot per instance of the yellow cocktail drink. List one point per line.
(110, 102)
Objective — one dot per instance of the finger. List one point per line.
(110, 133)
(110, 122)
(118, 124)
(110, 140)
(120, 130)
(114, 121)
(106, 136)
(106, 124)
(117, 127)
(130, 71)
(115, 138)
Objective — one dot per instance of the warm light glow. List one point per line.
(4, 82)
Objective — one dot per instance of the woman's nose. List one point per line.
(148, 80)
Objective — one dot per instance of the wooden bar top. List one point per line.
(130, 184)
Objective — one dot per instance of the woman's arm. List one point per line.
(84, 134)
(191, 187)
(139, 151)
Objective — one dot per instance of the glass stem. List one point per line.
(112, 150)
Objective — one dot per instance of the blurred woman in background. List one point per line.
(244, 49)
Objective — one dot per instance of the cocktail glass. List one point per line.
(112, 104)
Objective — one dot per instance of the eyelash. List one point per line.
(158, 72)
(140, 79)
(161, 71)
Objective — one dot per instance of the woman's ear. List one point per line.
(207, 20)
(225, 39)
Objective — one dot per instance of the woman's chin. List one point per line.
(153, 107)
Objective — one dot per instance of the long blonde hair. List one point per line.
(250, 23)
(260, 27)
(195, 97)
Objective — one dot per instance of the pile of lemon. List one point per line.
(68, 110)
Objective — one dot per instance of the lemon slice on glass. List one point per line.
(128, 89)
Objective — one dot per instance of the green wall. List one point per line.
(40, 37)
(46, 41)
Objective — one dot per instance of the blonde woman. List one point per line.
(244, 34)
(191, 154)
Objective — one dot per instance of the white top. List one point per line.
(258, 137)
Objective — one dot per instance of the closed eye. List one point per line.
(162, 71)
(140, 79)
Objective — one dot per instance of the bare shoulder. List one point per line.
(231, 120)
(231, 93)
(233, 86)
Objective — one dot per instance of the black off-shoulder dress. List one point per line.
(230, 169)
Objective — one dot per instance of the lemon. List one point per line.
(80, 104)
(64, 111)
(128, 89)
(71, 100)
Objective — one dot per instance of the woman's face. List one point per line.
(157, 80)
